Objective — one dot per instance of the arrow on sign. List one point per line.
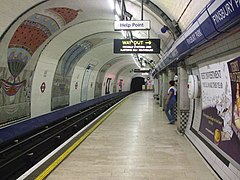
(148, 42)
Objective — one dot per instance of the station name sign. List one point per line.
(131, 25)
(144, 46)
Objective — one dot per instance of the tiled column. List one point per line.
(171, 74)
(183, 102)
(164, 87)
(155, 80)
(160, 90)
(156, 89)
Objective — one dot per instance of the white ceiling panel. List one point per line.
(96, 17)
(174, 9)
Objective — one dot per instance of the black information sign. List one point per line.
(141, 71)
(144, 46)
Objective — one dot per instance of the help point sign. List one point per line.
(131, 25)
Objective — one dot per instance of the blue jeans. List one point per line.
(170, 112)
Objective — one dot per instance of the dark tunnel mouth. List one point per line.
(136, 84)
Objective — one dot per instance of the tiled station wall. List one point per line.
(220, 50)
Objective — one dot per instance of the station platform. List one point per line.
(134, 142)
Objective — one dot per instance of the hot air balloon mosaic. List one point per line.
(28, 37)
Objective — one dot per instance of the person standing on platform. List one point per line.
(170, 102)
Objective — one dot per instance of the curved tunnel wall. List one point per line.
(34, 79)
(79, 74)
(36, 76)
(42, 72)
(25, 38)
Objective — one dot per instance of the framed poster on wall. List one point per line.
(218, 122)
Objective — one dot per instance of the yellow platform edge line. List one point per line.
(52, 166)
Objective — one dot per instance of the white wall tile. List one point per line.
(238, 175)
(75, 94)
(234, 169)
(92, 80)
(41, 101)
(229, 173)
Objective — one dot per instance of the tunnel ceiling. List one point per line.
(67, 24)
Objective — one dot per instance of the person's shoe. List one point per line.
(171, 122)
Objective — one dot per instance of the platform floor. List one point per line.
(134, 143)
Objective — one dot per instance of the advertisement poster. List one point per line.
(218, 101)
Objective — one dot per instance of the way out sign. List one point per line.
(144, 46)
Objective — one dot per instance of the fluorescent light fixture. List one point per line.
(124, 33)
(139, 34)
(134, 59)
(118, 10)
(111, 3)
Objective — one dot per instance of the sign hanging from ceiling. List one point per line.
(131, 25)
(141, 70)
(144, 46)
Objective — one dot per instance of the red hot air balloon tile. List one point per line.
(67, 15)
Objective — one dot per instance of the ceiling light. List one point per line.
(136, 61)
(118, 9)
(124, 33)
